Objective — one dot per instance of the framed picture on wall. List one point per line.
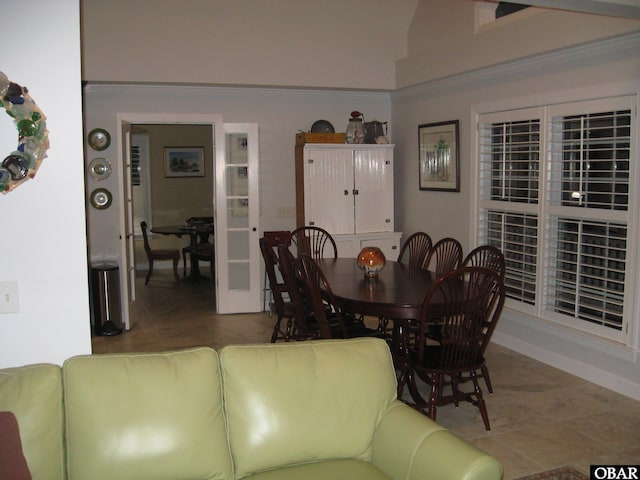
(439, 158)
(184, 162)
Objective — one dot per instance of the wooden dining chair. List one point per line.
(172, 254)
(486, 256)
(413, 252)
(282, 309)
(314, 241)
(305, 326)
(444, 257)
(332, 321)
(415, 249)
(469, 302)
(274, 238)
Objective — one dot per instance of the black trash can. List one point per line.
(106, 313)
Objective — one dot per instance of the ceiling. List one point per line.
(614, 8)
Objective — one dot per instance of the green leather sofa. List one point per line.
(296, 411)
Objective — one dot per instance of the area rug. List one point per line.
(562, 473)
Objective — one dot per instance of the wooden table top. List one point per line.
(180, 230)
(397, 293)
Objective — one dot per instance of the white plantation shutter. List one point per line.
(554, 189)
(509, 189)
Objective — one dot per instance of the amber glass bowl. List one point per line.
(371, 260)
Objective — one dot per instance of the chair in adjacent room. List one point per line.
(204, 249)
(332, 321)
(283, 309)
(445, 256)
(172, 254)
(315, 241)
(415, 249)
(468, 301)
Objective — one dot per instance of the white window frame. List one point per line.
(544, 210)
(142, 192)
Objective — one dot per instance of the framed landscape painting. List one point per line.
(184, 162)
(439, 159)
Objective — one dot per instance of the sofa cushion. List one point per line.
(34, 394)
(13, 465)
(302, 402)
(330, 469)
(151, 415)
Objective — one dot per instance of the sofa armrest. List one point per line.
(408, 445)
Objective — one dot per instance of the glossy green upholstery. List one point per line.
(34, 394)
(301, 410)
(156, 416)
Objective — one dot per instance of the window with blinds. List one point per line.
(135, 165)
(554, 196)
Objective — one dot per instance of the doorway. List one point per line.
(131, 248)
(160, 198)
(236, 223)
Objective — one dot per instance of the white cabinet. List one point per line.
(350, 245)
(348, 190)
(345, 188)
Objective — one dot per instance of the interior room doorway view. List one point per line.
(226, 175)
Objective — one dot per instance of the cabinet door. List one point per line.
(374, 187)
(328, 180)
(389, 244)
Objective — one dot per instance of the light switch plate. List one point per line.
(9, 301)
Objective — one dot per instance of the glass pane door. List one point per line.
(237, 258)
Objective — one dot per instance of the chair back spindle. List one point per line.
(314, 241)
(415, 249)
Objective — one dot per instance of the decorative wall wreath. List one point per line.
(33, 137)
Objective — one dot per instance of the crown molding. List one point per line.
(610, 49)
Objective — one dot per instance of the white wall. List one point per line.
(279, 113)
(43, 234)
(443, 41)
(303, 43)
(607, 68)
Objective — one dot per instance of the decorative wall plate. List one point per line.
(101, 198)
(100, 168)
(99, 139)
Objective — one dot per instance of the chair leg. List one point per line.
(383, 324)
(175, 268)
(410, 380)
(480, 401)
(436, 386)
(276, 330)
(149, 272)
(487, 379)
(455, 390)
(287, 334)
(184, 264)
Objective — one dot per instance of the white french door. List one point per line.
(237, 219)
(129, 257)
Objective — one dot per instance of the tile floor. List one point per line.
(541, 417)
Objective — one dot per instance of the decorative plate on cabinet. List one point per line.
(100, 168)
(99, 139)
(101, 198)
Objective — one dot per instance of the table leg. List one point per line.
(400, 353)
(195, 267)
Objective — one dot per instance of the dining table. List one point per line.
(396, 294)
(195, 232)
